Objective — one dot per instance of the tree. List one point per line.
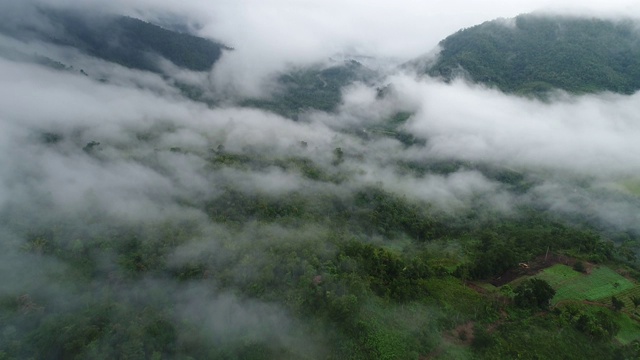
(635, 300)
(338, 156)
(510, 59)
(600, 325)
(534, 293)
(617, 303)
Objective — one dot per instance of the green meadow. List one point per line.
(600, 284)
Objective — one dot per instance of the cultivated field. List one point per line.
(557, 275)
(600, 284)
(626, 297)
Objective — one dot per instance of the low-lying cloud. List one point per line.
(589, 135)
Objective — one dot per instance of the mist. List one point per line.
(286, 33)
(133, 158)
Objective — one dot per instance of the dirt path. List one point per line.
(324, 83)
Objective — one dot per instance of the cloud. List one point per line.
(137, 119)
(284, 32)
(588, 135)
(273, 35)
(226, 320)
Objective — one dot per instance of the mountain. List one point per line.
(315, 87)
(532, 54)
(136, 44)
(130, 42)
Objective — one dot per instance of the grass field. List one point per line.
(626, 297)
(557, 275)
(600, 284)
(629, 329)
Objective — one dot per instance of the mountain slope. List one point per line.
(130, 42)
(314, 87)
(533, 54)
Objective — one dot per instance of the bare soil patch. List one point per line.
(461, 335)
(535, 266)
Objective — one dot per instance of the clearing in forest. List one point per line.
(600, 284)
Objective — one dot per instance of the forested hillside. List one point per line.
(123, 40)
(317, 272)
(313, 88)
(535, 53)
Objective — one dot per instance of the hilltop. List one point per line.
(124, 40)
(535, 53)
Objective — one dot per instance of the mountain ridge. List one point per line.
(124, 40)
(535, 53)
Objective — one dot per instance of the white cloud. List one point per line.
(594, 134)
(270, 35)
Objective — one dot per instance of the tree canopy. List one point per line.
(533, 53)
(132, 42)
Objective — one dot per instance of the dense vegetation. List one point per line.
(532, 54)
(313, 88)
(365, 274)
(127, 41)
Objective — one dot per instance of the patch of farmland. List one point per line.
(601, 283)
(629, 329)
(626, 296)
(558, 274)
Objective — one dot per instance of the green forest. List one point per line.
(131, 42)
(313, 88)
(533, 54)
(365, 274)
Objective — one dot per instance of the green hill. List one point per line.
(127, 41)
(314, 87)
(535, 53)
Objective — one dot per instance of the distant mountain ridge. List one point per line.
(533, 53)
(136, 44)
(130, 42)
(313, 87)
